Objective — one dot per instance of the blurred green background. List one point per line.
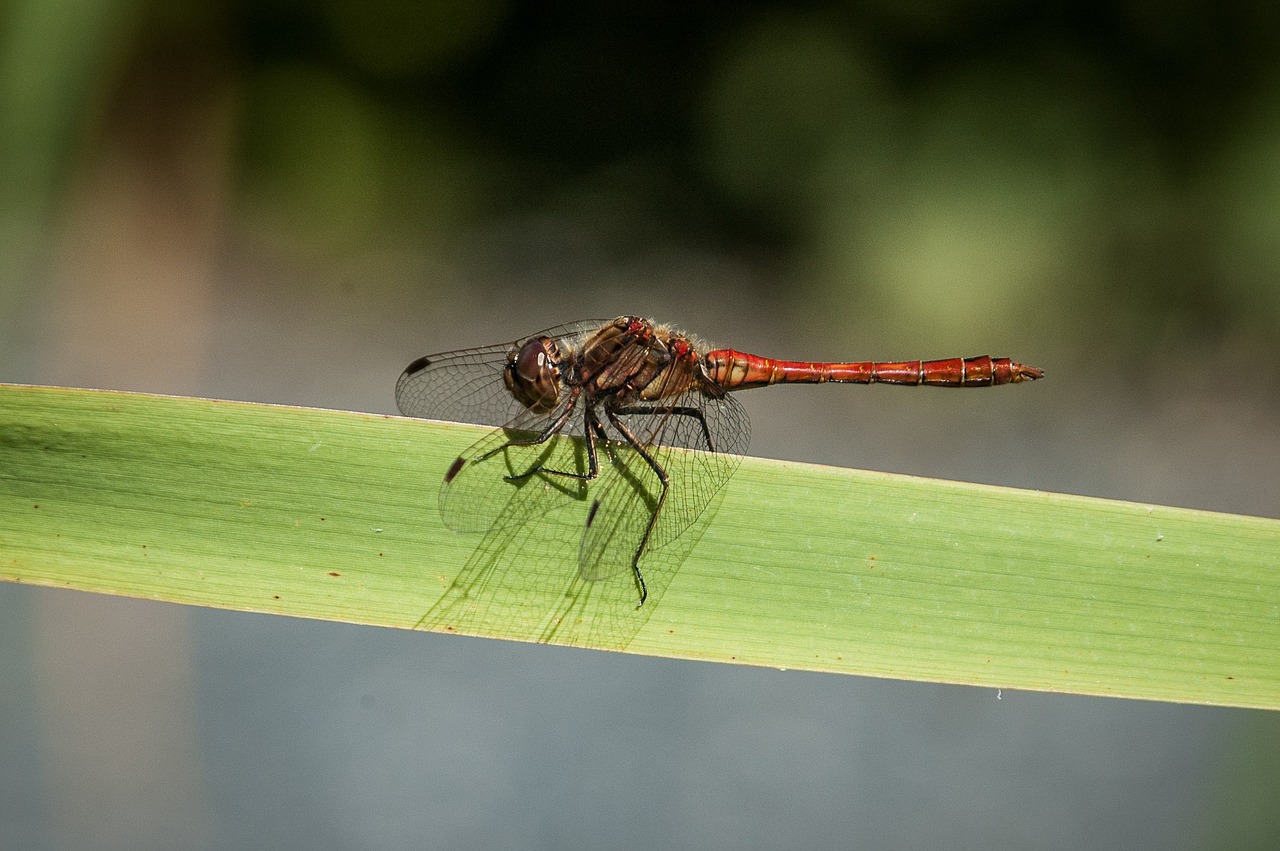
(287, 202)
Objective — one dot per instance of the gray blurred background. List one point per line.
(287, 202)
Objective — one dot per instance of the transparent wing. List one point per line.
(466, 386)
(480, 487)
(697, 439)
(530, 520)
(520, 580)
(552, 601)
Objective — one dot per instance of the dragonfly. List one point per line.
(633, 420)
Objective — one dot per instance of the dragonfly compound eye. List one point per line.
(533, 375)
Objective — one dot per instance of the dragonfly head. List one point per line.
(533, 374)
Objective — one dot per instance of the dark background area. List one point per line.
(287, 202)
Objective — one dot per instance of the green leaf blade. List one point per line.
(333, 515)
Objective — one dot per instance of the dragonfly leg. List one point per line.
(657, 508)
(592, 429)
(553, 428)
(678, 410)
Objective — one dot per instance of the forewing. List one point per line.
(696, 438)
(480, 486)
(466, 386)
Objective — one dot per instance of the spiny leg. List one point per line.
(657, 508)
(553, 428)
(678, 410)
(590, 430)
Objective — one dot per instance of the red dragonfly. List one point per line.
(652, 401)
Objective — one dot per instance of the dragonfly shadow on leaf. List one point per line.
(482, 485)
(537, 574)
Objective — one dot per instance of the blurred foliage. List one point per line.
(1097, 169)
(50, 52)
